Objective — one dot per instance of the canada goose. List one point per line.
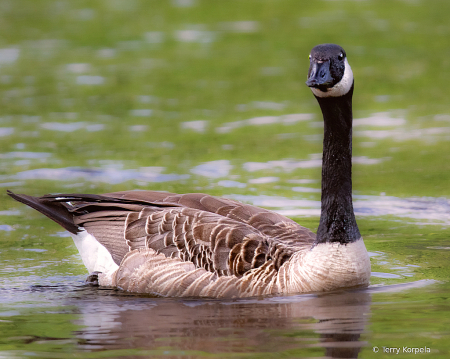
(198, 245)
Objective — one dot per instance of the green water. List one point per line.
(208, 96)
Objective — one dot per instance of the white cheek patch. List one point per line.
(341, 88)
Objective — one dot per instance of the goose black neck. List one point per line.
(337, 219)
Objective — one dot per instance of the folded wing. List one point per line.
(220, 235)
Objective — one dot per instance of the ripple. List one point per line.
(264, 120)
(6, 227)
(271, 71)
(375, 254)
(284, 165)
(6, 131)
(263, 180)
(280, 202)
(13, 212)
(142, 112)
(385, 275)
(73, 126)
(269, 105)
(198, 126)
(78, 68)
(33, 155)
(107, 53)
(163, 144)
(401, 132)
(426, 210)
(230, 183)
(364, 160)
(138, 128)
(442, 117)
(213, 169)
(377, 288)
(381, 119)
(154, 37)
(9, 55)
(10, 184)
(90, 80)
(193, 35)
(107, 175)
(302, 181)
(432, 133)
(184, 3)
(435, 210)
(240, 26)
(306, 189)
(314, 162)
(37, 250)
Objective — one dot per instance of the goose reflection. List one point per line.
(295, 326)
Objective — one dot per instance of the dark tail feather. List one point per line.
(56, 211)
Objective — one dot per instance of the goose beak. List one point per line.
(319, 75)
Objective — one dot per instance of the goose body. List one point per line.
(190, 245)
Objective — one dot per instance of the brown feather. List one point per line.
(222, 236)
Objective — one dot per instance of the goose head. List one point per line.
(330, 74)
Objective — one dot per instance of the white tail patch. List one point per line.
(94, 255)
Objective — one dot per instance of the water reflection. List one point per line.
(9, 55)
(90, 80)
(263, 180)
(264, 120)
(196, 34)
(106, 175)
(380, 119)
(284, 165)
(231, 184)
(295, 325)
(78, 68)
(73, 126)
(402, 134)
(426, 209)
(197, 126)
(6, 131)
(31, 155)
(240, 26)
(141, 112)
(314, 161)
(213, 169)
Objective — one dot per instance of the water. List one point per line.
(194, 96)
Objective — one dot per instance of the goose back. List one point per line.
(221, 236)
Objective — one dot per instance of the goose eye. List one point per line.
(309, 56)
(341, 56)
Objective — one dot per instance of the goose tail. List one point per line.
(56, 211)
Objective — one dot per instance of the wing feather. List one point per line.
(220, 235)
